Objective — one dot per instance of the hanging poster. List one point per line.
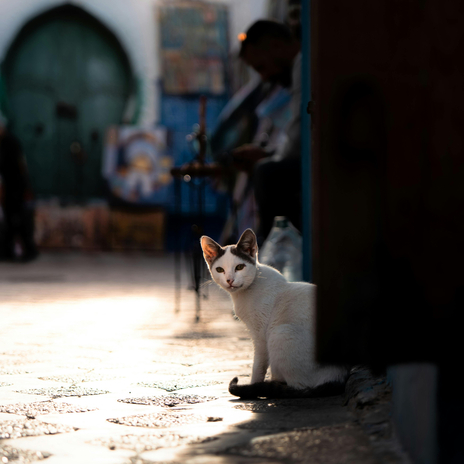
(136, 166)
(194, 47)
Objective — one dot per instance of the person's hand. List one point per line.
(246, 156)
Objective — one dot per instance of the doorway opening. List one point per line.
(67, 78)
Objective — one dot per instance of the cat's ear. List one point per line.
(211, 249)
(248, 243)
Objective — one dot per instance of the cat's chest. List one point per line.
(254, 310)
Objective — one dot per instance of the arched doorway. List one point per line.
(68, 78)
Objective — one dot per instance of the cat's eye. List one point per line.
(219, 269)
(240, 267)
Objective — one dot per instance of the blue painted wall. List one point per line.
(179, 114)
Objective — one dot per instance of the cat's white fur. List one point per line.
(279, 315)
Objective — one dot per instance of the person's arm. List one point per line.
(246, 156)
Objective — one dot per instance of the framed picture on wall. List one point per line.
(194, 47)
(136, 165)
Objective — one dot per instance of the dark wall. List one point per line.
(388, 221)
(389, 178)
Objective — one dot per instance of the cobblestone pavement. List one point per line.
(96, 367)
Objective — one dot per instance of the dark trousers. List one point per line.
(18, 223)
(277, 187)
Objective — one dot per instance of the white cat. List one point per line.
(280, 317)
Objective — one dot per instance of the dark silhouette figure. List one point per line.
(16, 199)
(273, 51)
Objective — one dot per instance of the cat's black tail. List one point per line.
(282, 390)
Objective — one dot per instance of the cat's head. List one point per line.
(232, 267)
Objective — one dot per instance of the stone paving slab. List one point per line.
(179, 384)
(59, 392)
(343, 444)
(43, 407)
(159, 420)
(9, 454)
(169, 401)
(89, 353)
(78, 378)
(141, 443)
(30, 428)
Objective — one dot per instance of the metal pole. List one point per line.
(177, 252)
(306, 179)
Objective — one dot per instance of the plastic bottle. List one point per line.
(282, 249)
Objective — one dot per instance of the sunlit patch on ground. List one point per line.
(15, 455)
(180, 384)
(169, 401)
(58, 392)
(42, 407)
(31, 428)
(163, 420)
(9, 371)
(78, 378)
(140, 443)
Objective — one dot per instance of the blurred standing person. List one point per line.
(16, 198)
(273, 51)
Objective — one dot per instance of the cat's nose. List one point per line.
(230, 281)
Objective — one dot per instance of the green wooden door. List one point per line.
(67, 80)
